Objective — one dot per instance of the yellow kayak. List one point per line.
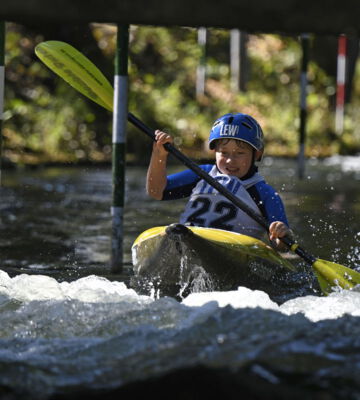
(176, 258)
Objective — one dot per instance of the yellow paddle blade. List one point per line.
(331, 275)
(77, 70)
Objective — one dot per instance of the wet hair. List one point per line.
(239, 143)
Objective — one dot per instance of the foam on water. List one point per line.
(315, 308)
(241, 298)
(337, 304)
(24, 289)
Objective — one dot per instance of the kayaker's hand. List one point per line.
(161, 139)
(278, 230)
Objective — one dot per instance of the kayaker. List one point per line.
(237, 140)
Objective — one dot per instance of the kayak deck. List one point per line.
(176, 259)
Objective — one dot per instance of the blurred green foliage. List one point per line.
(46, 120)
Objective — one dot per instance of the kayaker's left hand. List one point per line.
(278, 230)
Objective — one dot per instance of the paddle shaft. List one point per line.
(221, 189)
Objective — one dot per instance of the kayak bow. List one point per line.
(178, 256)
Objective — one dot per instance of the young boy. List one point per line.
(238, 143)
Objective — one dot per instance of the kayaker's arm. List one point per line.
(156, 174)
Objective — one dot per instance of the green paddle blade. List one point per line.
(331, 275)
(77, 70)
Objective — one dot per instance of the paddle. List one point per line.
(84, 76)
(329, 274)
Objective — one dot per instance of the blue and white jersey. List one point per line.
(208, 208)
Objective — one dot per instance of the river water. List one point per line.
(69, 326)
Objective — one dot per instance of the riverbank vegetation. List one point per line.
(45, 120)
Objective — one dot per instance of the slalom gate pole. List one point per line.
(340, 85)
(303, 103)
(201, 69)
(2, 86)
(118, 146)
(235, 59)
(238, 60)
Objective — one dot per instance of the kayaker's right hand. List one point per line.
(161, 138)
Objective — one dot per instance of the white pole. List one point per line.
(201, 69)
(340, 85)
(119, 141)
(2, 84)
(235, 59)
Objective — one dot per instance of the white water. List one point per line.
(94, 333)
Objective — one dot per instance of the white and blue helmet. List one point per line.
(237, 126)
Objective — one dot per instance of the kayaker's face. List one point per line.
(233, 157)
